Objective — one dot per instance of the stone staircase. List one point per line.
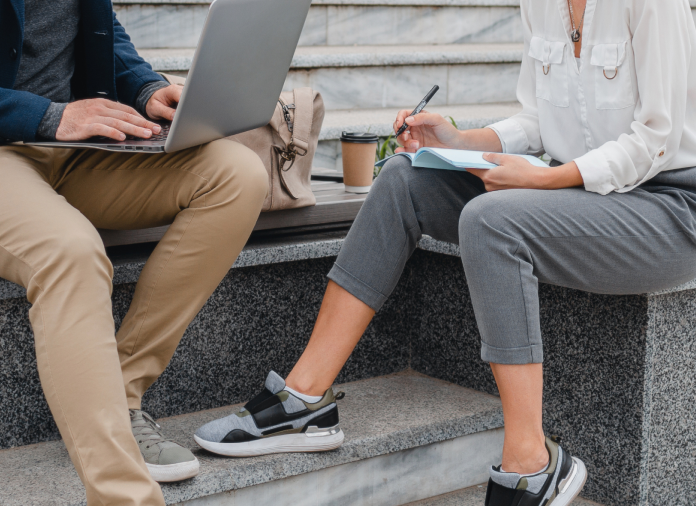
(408, 438)
(471, 48)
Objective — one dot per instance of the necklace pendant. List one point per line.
(575, 35)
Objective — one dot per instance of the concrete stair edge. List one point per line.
(380, 416)
(394, 3)
(388, 3)
(475, 496)
(313, 57)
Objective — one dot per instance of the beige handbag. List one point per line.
(286, 146)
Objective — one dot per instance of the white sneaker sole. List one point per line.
(570, 490)
(327, 439)
(174, 472)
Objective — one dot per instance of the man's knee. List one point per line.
(235, 169)
(74, 256)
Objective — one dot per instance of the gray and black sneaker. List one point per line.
(558, 485)
(275, 421)
(166, 460)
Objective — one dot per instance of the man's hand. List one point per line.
(100, 117)
(514, 172)
(426, 130)
(163, 102)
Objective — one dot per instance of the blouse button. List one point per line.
(662, 153)
(13, 54)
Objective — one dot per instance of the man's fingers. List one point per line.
(132, 119)
(110, 104)
(159, 110)
(99, 129)
(126, 128)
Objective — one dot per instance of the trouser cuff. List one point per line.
(356, 287)
(533, 354)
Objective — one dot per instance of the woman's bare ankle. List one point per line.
(304, 385)
(529, 460)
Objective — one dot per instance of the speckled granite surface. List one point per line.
(619, 370)
(475, 496)
(378, 416)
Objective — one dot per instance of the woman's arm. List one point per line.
(514, 172)
(434, 131)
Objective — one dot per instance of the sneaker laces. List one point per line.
(147, 430)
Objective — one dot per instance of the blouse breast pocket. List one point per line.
(613, 88)
(551, 72)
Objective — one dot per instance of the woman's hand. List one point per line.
(425, 130)
(514, 172)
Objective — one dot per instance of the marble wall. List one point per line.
(179, 25)
(395, 86)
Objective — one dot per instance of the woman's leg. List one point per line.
(404, 204)
(510, 240)
(521, 388)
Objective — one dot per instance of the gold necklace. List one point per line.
(575, 34)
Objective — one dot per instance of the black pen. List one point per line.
(418, 109)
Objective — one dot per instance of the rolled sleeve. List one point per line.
(596, 172)
(512, 136)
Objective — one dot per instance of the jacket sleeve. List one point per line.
(520, 134)
(663, 38)
(21, 113)
(132, 72)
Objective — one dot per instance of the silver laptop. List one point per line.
(236, 77)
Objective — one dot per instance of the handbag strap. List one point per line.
(302, 124)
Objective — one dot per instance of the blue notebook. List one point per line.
(453, 159)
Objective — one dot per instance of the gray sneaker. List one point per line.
(275, 421)
(166, 460)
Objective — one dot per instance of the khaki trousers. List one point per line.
(51, 200)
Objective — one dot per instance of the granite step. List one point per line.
(475, 496)
(380, 122)
(367, 77)
(408, 437)
(178, 23)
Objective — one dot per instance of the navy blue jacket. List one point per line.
(106, 66)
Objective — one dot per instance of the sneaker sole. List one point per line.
(174, 472)
(326, 440)
(570, 490)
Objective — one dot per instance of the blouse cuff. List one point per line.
(512, 136)
(596, 173)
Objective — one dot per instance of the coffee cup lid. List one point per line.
(360, 138)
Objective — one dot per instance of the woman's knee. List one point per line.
(484, 221)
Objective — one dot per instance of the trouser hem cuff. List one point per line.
(356, 287)
(533, 354)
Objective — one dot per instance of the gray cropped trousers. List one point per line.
(510, 240)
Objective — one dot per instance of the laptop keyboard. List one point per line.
(155, 137)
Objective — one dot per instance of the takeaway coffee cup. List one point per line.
(359, 151)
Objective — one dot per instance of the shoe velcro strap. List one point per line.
(262, 401)
(497, 495)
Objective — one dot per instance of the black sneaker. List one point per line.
(275, 421)
(558, 485)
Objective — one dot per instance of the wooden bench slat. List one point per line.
(334, 205)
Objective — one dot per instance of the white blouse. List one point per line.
(628, 111)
